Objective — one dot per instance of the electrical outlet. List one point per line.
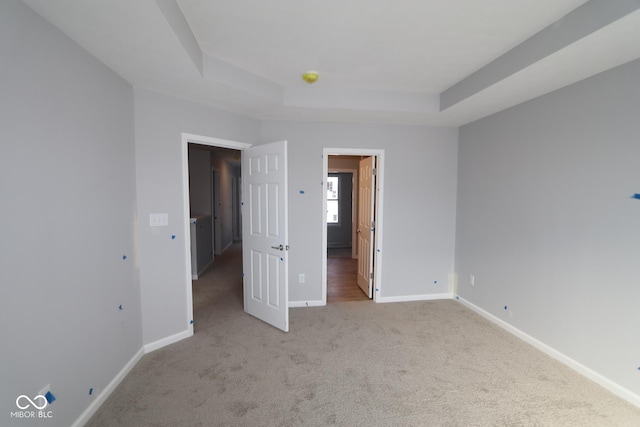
(301, 278)
(472, 280)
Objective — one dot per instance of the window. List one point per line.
(332, 200)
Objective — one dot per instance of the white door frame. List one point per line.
(212, 142)
(377, 255)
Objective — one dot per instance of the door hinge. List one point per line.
(374, 171)
(371, 275)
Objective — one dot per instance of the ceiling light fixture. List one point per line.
(310, 77)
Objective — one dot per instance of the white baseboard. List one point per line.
(106, 392)
(195, 276)
(406, 298)
(295, 304)
(148, 348)
(613, 387)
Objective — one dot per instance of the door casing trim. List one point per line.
(377, 254)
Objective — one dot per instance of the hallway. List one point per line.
(342, 281)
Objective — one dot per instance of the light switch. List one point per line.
(158, 220)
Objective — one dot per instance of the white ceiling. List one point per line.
(379, 61)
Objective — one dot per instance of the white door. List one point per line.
(366, 229)
(265, 233)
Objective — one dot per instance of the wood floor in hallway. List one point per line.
(342, 281)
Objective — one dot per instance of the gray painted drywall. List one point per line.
(159, 123)
(200, 181)
(68, 215)
(220, 160)
(419, 202)
(577, 24)
(546, 223)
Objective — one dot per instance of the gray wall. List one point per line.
(419, 202)
(199, 181)
(221, 161)
(546, 223)
(159, 122)
(68, 218)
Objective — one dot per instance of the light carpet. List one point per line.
(352, 364)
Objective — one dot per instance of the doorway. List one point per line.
(265, 239)
(342, 260)
(352, 273)
(213, 171)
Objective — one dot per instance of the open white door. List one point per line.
(265, 233)
(366, 229)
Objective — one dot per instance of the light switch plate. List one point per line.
(158, 220)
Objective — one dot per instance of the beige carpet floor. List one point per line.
(351, 364)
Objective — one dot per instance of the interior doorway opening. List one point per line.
(211, 171)
(264, 233)
(213, 214)
(352, 224)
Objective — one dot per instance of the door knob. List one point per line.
(280, 248)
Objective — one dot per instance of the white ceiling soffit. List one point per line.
(432, 62)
